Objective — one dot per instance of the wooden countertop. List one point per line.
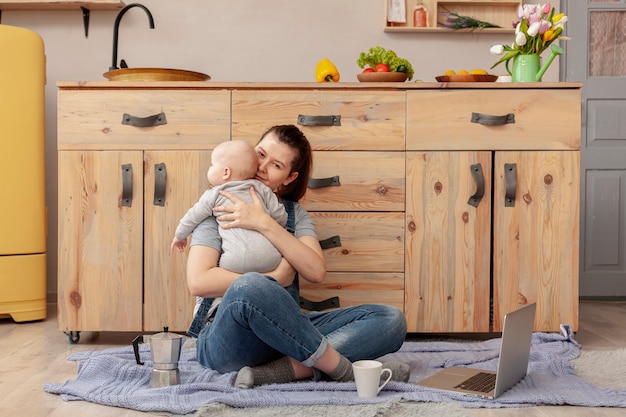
(210, 85)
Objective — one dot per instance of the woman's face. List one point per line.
(275, 160)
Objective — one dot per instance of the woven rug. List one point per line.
(111, 377)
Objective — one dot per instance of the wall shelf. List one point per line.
(85, 6)
(59, 5)
(498, 12)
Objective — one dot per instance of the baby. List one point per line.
(233, 167)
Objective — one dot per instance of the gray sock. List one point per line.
(278, 372)
(400, 371)
(343, 371)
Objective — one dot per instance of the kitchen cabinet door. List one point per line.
(100, 240)
(174, 180)
(448, 241)
(536, 236)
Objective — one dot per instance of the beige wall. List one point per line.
(269, 40)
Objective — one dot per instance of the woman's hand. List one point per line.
(241, 214)
(303, 254)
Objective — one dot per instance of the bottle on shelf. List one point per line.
(420, 15)
(396, 15)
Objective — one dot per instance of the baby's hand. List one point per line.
(179, 244)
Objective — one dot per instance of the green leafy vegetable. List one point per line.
(379, 55)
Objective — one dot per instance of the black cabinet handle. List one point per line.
(150, 121)
(510, 179)
(324, 182)
(127, 185)
(479, 179)
(331, 242)
(332, 120)
(487, 119)
(160, 178)
(309, 305)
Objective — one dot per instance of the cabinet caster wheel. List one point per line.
(73, 337)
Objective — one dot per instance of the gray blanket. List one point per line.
(111, 377)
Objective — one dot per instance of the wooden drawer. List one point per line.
(356, 288)
(543, 119)
(370, 242)
(94, 119)
(372, 120)
(360, 181)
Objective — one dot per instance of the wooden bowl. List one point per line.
(382, 77)
(154, 74)
(467, 78)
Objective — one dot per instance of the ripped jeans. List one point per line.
(258, 322)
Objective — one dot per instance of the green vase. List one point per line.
(526, 69)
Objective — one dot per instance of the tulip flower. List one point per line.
(496, 50)
(520, 39)
(544, 26)
(533, 29)
(548, 36)
(558, 17)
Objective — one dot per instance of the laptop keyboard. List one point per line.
(481, 382)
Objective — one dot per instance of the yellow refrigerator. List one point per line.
(23, 225)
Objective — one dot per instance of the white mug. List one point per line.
(367, 377)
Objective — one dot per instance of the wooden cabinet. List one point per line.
(122, 190)
(356, 195)
(497, 12)
(519, 244)
(456, 203)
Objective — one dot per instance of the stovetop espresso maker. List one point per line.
(166, 348)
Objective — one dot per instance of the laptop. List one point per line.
(512, 366)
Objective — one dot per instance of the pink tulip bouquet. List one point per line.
(536, 28)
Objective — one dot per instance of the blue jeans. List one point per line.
(258, 322)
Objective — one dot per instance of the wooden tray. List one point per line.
(382, 77)
(467, 78)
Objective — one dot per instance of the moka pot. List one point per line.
(165, 348)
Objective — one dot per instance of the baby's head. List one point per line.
(233, 161)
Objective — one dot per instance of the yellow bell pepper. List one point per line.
(326, 71)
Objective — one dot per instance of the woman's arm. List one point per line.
(204, 277)
(304, 254)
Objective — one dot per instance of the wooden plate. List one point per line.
(467, 78)
(154, 74)
(382, 77)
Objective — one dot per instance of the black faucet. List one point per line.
(116, 29)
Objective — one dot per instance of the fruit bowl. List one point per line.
(382, 77)
(466, 78)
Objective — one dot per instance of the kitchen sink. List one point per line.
(154, 74)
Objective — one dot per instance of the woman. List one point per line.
(259, 328)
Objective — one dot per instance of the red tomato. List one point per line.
(368, 69)
(382, 68)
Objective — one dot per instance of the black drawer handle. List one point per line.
(510, 179)
(331, 242)
(479, 179)
(127, 185)
(324, 182)
(487, 119)
(160, 178)
(154, 120)
(309, 305)
(332, 120)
